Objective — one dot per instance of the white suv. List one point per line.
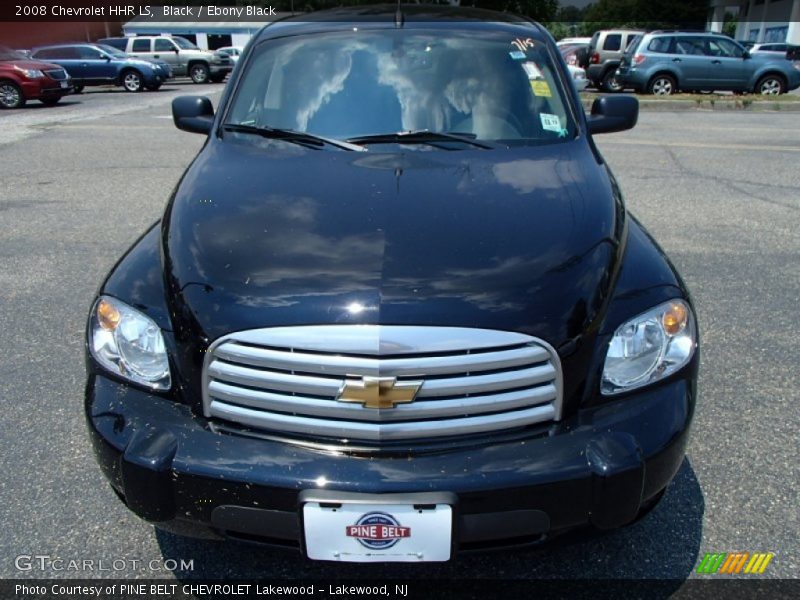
(183, 57)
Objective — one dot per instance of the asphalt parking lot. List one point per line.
(719, 190)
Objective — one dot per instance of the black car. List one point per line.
(396, 307)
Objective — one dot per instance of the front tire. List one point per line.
(610, 83)
(11, 95)
(770, 85)
(198, 72)
(662, 85)
(77, 89)
(132, 81)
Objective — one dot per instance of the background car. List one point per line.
(573, 40)
(663, 63)
(233, 51)
(93, 64)
(575, 54)
(23, 79)
(578, 77)
(184, 57)
(605, 53)
(161, 65)
(777, 50)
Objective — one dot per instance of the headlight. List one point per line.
(128, 343)
(649, 347)
(32, 73)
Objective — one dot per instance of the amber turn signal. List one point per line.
(674, 319)
(107, 315)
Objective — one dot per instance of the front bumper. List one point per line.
(218, 69)
(45, 88)
(598, 468)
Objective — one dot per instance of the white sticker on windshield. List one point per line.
(532, 70)
(550, 122)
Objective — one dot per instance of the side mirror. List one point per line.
(746, 54)
(175, 50)
(194, 114)
(613, 113)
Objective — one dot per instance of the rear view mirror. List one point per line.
(613, 113)
(194, 114)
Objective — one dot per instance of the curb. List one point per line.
(709, 104)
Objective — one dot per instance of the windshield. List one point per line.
(110, 50)
(7, 53)
(184, 44)
(353, 84)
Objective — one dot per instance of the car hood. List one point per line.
(262, 233)
(29, 64)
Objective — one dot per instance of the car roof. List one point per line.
(694, 33)
(63, 45)
(413, 16)
(621, 30)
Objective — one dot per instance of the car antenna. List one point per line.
(399, 19)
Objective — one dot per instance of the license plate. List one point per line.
(64, 84)
(377, 532)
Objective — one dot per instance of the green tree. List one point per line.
(648, 14)
(729, 24)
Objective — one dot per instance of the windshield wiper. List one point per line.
(420, 136)
(289, 135)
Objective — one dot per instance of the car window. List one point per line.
(118, 43)
(162, 45)
(112, 51)
(42, 54)
(613, 42)
(390, 81)
(633, 44)
(690, 45)
(66, 53)
(661, 45)
(630, 39)
(724, 48)
(141, 45)
(184, 44)
(87, 53)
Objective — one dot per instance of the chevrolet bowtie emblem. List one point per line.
(378, 392)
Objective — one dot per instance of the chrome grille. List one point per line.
(57, 74)
(287, 380)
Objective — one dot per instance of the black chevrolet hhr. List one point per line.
(396, 308)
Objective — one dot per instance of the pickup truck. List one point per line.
(183, 57)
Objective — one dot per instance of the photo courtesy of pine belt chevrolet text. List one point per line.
(396, 308)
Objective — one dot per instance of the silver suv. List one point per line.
(182, 56)
(664, 62)
(605, 52)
